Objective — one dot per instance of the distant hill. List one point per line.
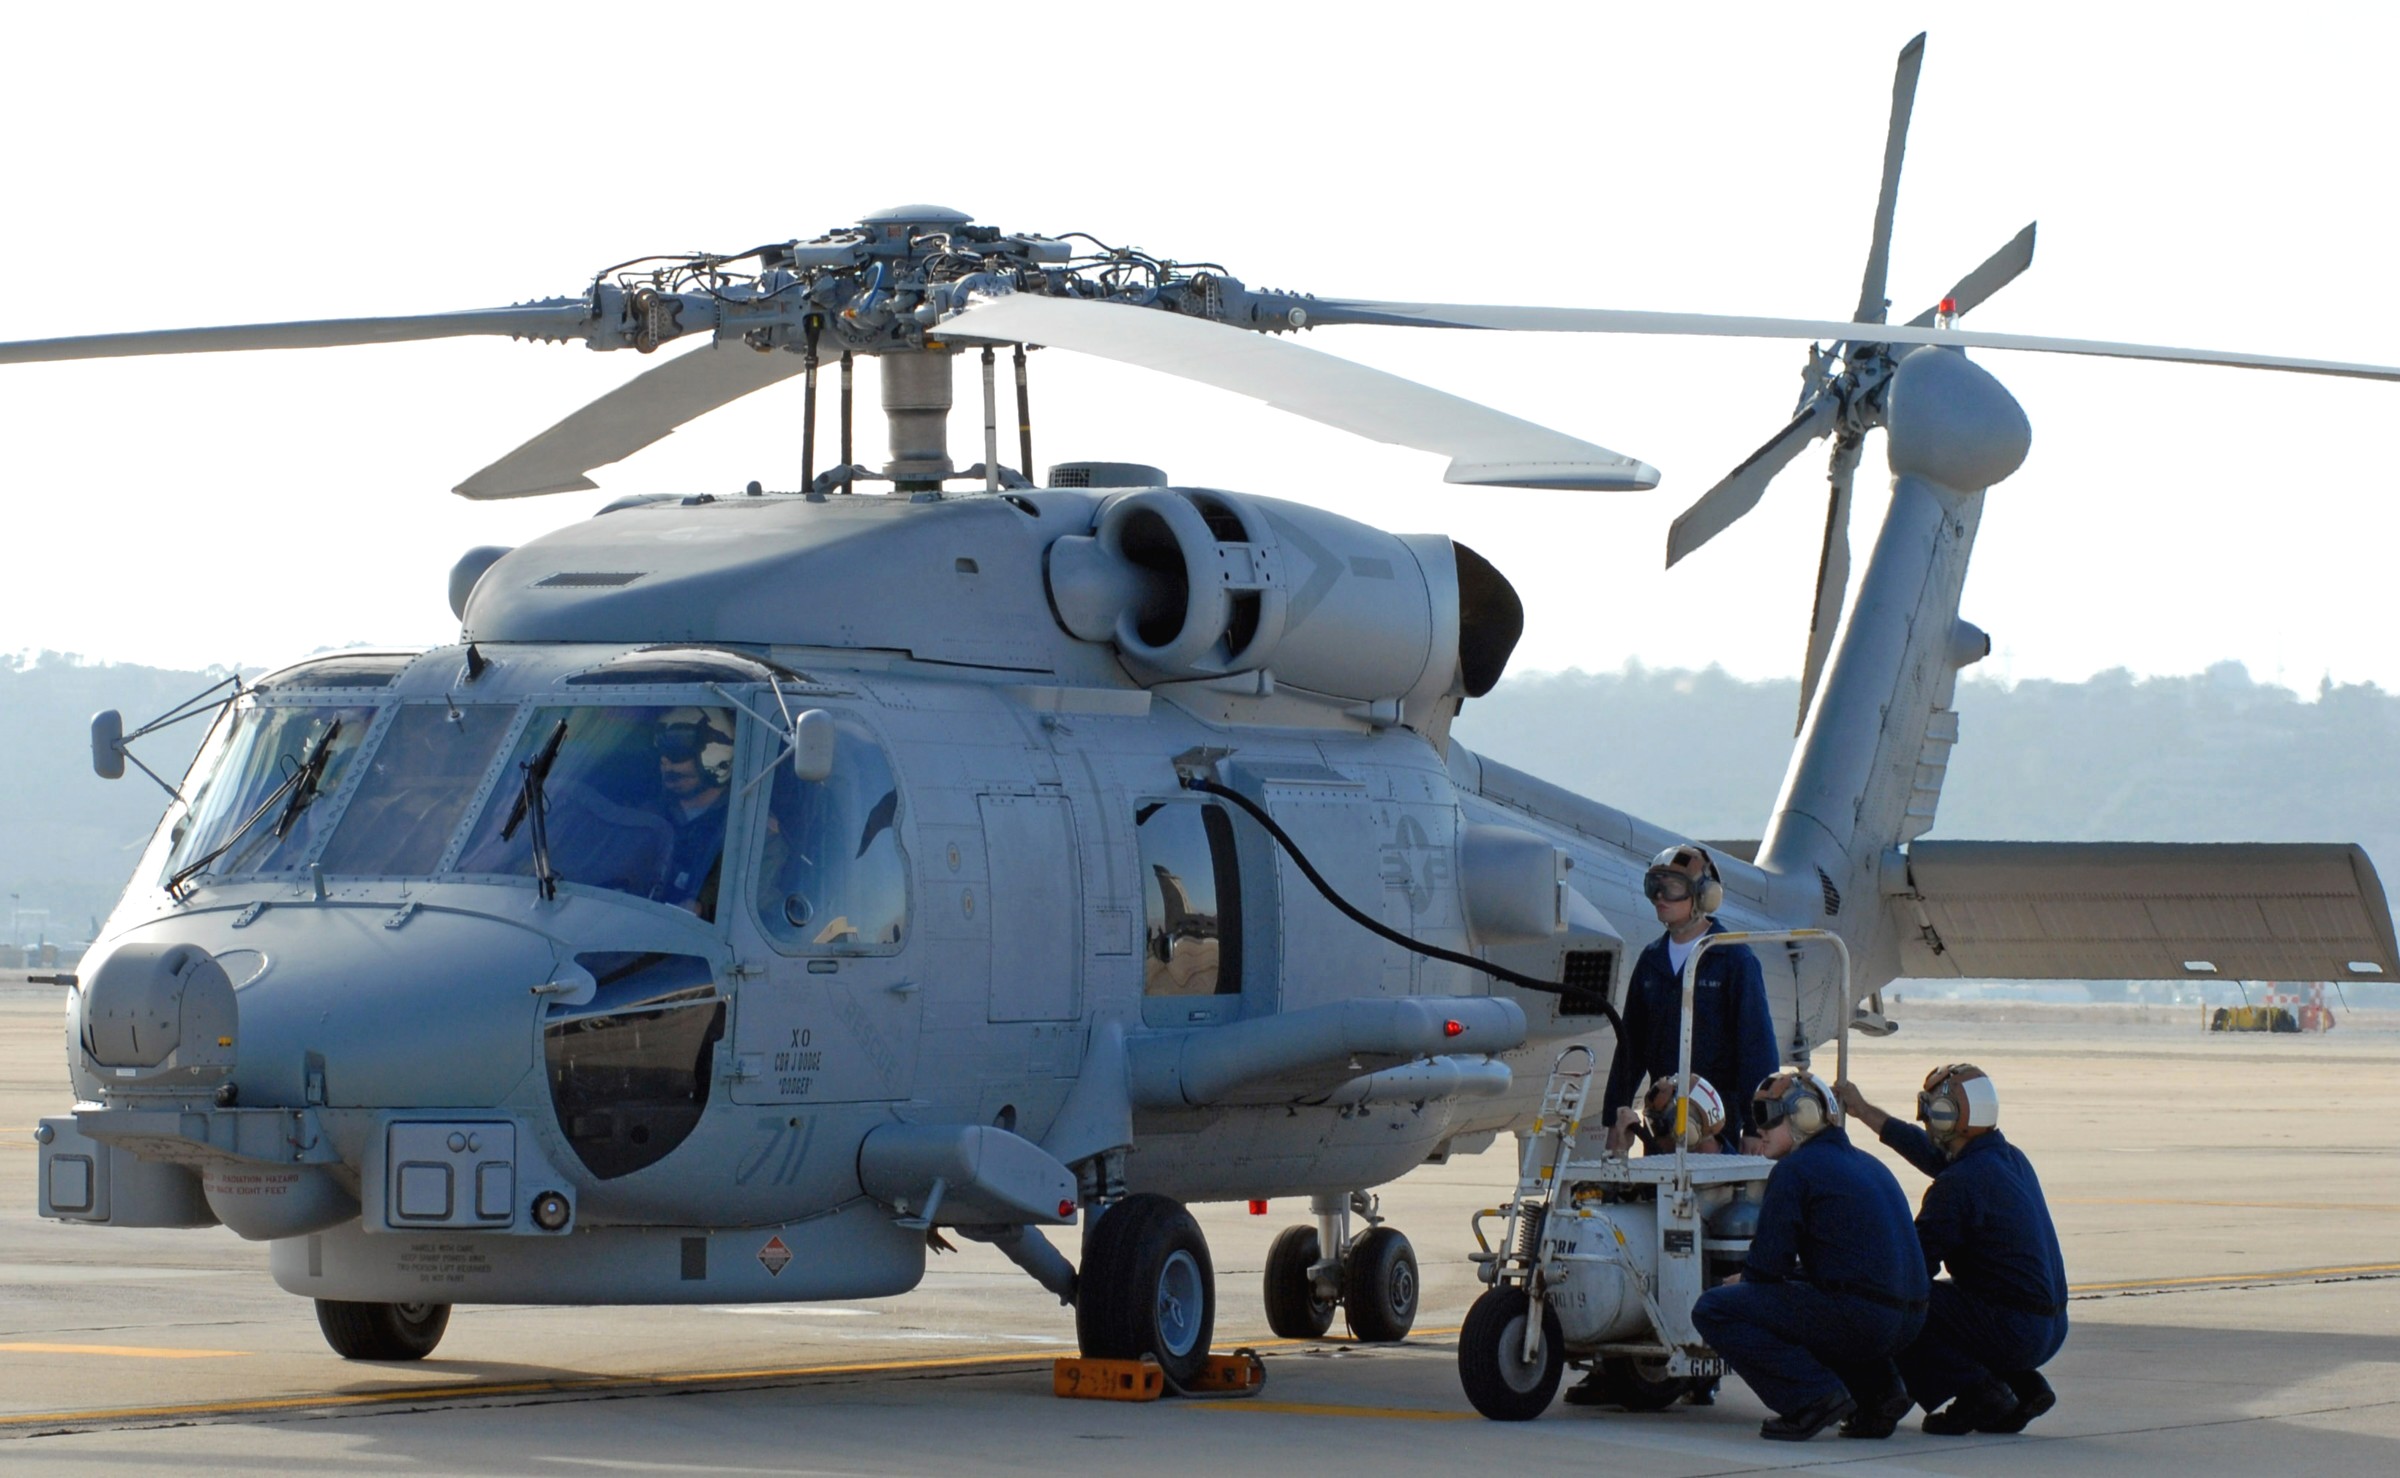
(2216, 757)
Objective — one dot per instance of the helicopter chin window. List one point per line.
(629, 1069)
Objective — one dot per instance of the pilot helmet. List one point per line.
(1704, 1116)
(1959, 1101)
(1682, 871)
(1798, 1097)
(696, 734)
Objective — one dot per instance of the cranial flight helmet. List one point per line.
(1957, 1099)
(1682, 871)
(1703, 1118)
(1798, 1097)
(697, 734)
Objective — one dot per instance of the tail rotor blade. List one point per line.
(1872, 303)
(1721, 506)
(1833, 572)
(1998, 271)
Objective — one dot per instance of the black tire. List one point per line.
(1379, 1286)
(1491, 1365)
(382, 1331)
(1147, 1287)
(1295, 1310)
(1640, 1385)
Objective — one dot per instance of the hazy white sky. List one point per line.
(2199, 180)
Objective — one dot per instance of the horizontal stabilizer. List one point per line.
(2143, 911)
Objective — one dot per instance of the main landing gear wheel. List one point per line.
(1379, 1286)
(1295, 1309)
(1147, 1287)
(382, 1331)
(1500, 1382)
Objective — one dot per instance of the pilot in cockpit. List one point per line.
(695, 765)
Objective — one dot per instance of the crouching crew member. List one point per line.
(1733, 1032)
(2002, 1312)
(1834, 1286)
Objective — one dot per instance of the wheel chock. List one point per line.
(1241, 1373)
(1108, 1380)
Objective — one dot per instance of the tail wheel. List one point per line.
(1379, 1286)
(1500, 1382)
(1147, 1287)
(362, 1331)
(1295, 1309)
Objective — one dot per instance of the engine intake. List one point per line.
(1192, 583)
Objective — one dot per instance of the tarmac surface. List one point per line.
(2229, 1205)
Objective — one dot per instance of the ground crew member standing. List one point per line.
(2002, 1312)
(1834, 1286)
(1733, 1032)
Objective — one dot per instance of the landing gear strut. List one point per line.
(1372, 1277)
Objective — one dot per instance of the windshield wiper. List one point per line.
(533, 802)
(292, 793)
(305, 780)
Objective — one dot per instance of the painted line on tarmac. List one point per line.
(1380, 1413)
(463, 1392)
(2354, 1272)
(138, 1352)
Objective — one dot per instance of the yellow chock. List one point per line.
(1241, 1373)
(1108, 1380)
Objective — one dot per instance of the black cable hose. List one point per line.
(1308, 870)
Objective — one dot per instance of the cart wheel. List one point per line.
(1379, 1286)
(1640, 1385)
(1499, 1381)
(1295, 1309)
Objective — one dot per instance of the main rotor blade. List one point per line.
(1998, 271)
(643, 410)
(1872, 304)
(1723, 326)
(1487, 448)
(1717, 509)
(565, 318)
(1833, 572)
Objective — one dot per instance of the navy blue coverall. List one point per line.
(2004, 1306)
(1835, 1285)
(1733, 1032)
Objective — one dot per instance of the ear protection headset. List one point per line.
(1799, 1097)
(1956, 1098)
(1707, 890)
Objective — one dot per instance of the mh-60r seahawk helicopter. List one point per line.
(765, 884)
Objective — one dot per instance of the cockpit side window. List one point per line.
(416, 789)
(832, 877)
(1191, 899)
(259, 799)
(632, 799)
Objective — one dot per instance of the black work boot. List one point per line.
(1879, 1417)
(2034, 1397)
(1809, 1420)
(1978, 1409)
(1592, 1390)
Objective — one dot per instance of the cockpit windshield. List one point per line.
(633, 799)
(258, 799)
(416, 789)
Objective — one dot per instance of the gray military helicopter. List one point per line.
(767, 884)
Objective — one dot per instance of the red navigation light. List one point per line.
(1949, 307)
(1258, 1208)
(1066, 1209)
(1452, 1029)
